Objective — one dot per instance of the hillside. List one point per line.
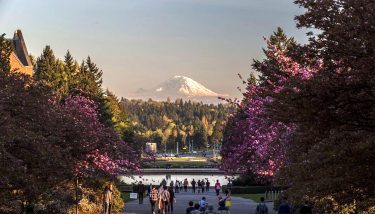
(181, 121)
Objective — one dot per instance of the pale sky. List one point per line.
(141, 43)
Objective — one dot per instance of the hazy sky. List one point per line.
(140, 43)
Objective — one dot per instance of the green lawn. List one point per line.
(183, 159)
(177, 164)
(180, 162)
(254, 197)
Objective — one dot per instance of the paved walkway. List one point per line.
(239, 205)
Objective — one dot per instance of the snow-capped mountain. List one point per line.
(183, 86)
(180, 87)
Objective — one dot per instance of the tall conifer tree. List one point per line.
(71, 70)
(5, 51)
(95, 75)
(49, 71)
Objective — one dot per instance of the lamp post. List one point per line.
(165, 148)
(192, 145)
(177, 148)
(213, 149)
(77, 195)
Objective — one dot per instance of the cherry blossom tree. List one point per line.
(319, 97)
(255, 143)
(45, 143)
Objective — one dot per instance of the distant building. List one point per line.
(20, 59)
(151, 147)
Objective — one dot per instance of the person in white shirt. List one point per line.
(203, 204)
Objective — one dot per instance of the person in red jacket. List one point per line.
(217, 187)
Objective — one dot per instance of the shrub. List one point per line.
(247, 180)
(250, 189)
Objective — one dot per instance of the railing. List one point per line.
(272, 195)
(182, 170)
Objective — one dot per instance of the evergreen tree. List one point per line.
(49, 72)
(187, 117)
(217, 133)
(200, 134)
(270, 68)
(71, 70)
(89, 82)
(282, 41)
(83, 78)
(5, 52)
(96, 76)
(114, 106)
(86, 80)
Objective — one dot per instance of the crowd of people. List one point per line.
(162, 199)
(201, 184)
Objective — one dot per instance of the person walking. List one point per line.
(110, 187)
(193, 182)
(154, 199)
(186, 184)
(160, 193)
(171, 184)
(284, 207)
(164, 200)
(217, 187)
(262, 207)
(172, 199)
(107, 199)
(228, 200)
(149, 188)
(207, 186)
(180, 185)
(176, 186)
(141, 190)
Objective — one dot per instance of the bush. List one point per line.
(57, 200)
(62, 199)
(250, 189)
(247, 180)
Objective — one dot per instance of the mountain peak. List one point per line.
(180, 87)
(184, 86)
(180, 77)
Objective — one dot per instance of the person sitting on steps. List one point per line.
(190, 208)
(203, 204)
(210, 210)
(196, 209)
